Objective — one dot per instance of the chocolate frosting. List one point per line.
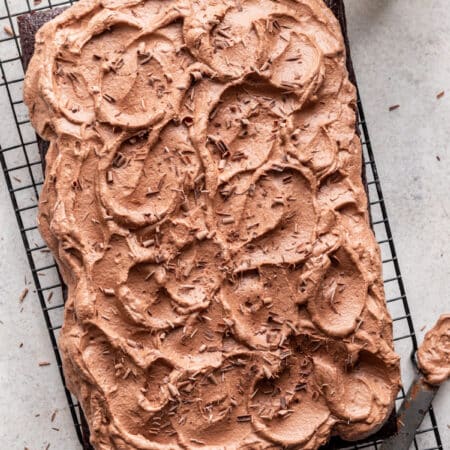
(204, 202)
(434, 354)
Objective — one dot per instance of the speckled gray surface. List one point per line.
(400, 51)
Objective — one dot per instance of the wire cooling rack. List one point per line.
(22, 167)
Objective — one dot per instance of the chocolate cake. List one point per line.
(204, 201)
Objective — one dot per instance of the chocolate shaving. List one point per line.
(109, 98)
(8, 30)
(23, 295)
(244, 418)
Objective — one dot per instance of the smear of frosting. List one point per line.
(434, 354)
(203, 199)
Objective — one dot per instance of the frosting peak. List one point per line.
(203, 199)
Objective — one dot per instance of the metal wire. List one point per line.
(20, 157)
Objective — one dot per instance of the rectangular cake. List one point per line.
(204, 202)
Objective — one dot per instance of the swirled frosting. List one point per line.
(204, 202)
(434, 354)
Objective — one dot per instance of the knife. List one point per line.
(411, 413)
(433, 359)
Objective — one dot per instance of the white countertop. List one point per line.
(401, 51)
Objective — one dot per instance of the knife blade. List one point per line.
(410, 415)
